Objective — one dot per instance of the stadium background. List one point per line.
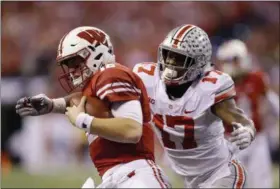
(47, 152)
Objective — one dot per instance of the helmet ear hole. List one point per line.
(97, 44)
(98, 56)
(94, 65)
(92, 48)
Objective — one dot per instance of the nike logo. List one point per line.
(187, 112)
(73, 45)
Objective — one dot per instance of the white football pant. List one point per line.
(257, 161)
(135, 174)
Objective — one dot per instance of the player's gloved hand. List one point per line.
(78, 117)
(241, 136)
(35, 105)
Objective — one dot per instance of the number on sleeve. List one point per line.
(150, 70)
(211, 79)
(182, 125)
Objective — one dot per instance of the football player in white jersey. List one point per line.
(189, 102)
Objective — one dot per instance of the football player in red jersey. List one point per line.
(122, 147)
(253, 94)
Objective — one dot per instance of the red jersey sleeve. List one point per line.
(115, 85)
(262, 81)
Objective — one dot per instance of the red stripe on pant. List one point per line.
(157, 174)
(240, 181)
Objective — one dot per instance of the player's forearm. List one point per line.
(122, 130)
(240, 117)
(60, 104)
(70, 96)
(229, 113)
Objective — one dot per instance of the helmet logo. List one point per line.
(93, 36)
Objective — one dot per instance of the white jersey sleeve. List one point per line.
(218, 85)
(225, 88)
(148, 73)
(120, 109)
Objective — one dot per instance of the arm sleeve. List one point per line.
(262, 80)
(129, 109)
(225, 89)
(115, 85)
(272, 98)
(273, 101)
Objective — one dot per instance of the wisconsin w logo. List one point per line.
(94, 36)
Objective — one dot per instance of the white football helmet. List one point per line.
(192, 49)
(232, 51)
(81, 53)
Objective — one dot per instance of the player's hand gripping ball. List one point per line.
(91, 105)
(74, 111)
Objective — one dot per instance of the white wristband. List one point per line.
(83, 121)
(59, 105)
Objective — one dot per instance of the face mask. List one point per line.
(77, 81)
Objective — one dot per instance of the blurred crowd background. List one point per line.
(30, 35)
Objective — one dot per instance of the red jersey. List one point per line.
(117, 83)
(250, 92)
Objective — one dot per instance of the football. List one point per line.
(93, 106)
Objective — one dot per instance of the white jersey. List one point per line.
(192, 135)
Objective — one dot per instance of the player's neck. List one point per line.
(178, 91)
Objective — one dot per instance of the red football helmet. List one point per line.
(81, 53)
